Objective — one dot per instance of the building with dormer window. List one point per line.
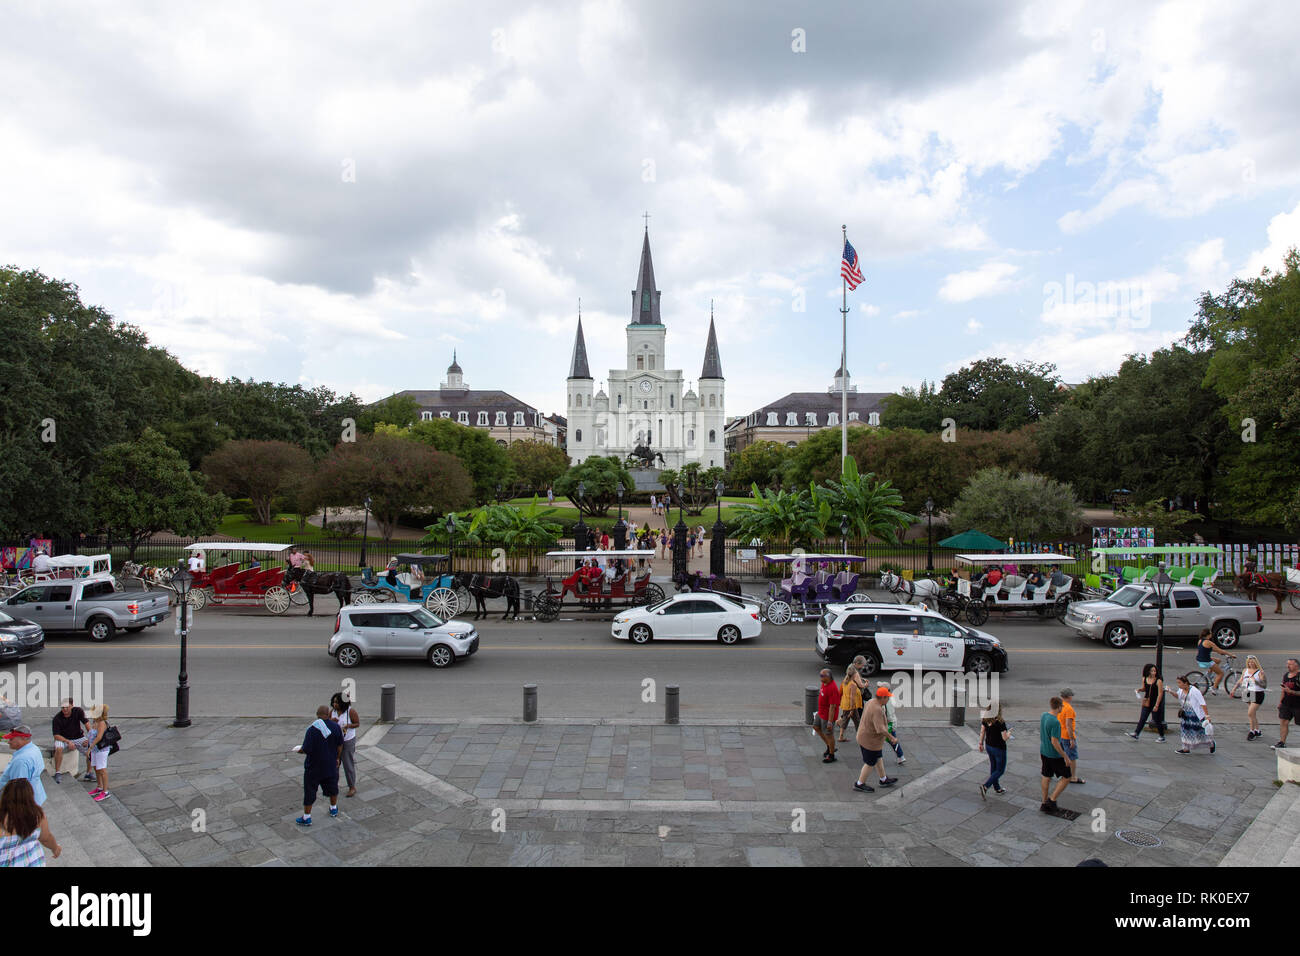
(794, 417)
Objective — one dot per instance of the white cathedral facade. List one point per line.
(646, 405)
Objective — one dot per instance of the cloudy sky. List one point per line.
(340, 194)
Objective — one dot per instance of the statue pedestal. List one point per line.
(646, 479)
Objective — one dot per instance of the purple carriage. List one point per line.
(815, 581)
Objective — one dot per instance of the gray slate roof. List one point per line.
(578, 367)
(646, 282)
(471, 400)
(712, 364)
(864, 403)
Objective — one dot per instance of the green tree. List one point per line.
(143, 487)
(919, 409)
(787, 517)
(759, 464)
(600, 477)
(1169, 526)
(1026, 507)
(694, 483)
(990, 394)
(397, 474)
(259, 471)
(512, 526)
(399, 410)
(536, 464)
(486, 462)
(874, 508)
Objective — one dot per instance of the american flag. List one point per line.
(849, 267)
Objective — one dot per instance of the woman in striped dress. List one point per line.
(24, 828)
(1194, 729)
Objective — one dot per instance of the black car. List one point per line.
(19, 638)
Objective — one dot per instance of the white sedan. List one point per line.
(689, 617)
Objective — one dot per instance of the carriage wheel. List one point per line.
(653, 594)
(1062, 607)
(858, 598)
(778, 612)
(977, 612)
(362, 596)
(298, 594)
(546, 608)
(442, 602)
(383, 596)
(1295, 600)
(463, 599)
(197, 599)
(276, 599)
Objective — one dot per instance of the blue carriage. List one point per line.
(427, 579)
(815, 580)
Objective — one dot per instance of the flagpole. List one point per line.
(844, 368)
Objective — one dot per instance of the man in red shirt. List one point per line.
(828, 710)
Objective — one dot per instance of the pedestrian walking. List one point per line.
(994, 735)
(1151, 693)
(308, 561)
(1288, 708)
(343, 713)
(663, 542)
(550, 497)
(1052, 755)
(101, 748)
(1252, 682)
(1194, 728)
(71, 732)
(322, 745)
(886, 698)
(1069, 735)
(850, 701)
(604, 541)
(872, 734)
(828, 707)
(699, 540)
(690, 543)
(27, 762)
(24, 828)
(654, 503)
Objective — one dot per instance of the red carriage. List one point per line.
(589, 588)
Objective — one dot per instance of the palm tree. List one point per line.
(792, 517)
(874, 508)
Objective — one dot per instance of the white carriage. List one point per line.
(1014, 592)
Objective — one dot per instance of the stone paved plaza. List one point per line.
(582, 792)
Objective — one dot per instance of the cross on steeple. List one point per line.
(646, 217)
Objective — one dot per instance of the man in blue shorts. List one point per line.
(322, 745)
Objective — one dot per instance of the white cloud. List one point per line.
(1283, 234)
(992, 278)
(973, 326)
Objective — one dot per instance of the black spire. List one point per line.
(645, 297)
(712, 364)
(578, 367)
(454, 366)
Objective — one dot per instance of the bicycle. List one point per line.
(1200, 679)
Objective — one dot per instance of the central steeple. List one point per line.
(645, 297)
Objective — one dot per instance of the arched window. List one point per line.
(713, 436)
(577, 436)
(672, 400)
(620, 399)
(501, 442)
(640, 361)
(690, 436)
(713, 401)
(652, 361)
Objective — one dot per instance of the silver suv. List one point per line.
(399, 630)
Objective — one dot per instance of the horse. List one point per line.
(317, 582)
(1272, 582)
(482, 587)
(897, 584)
(695, 581)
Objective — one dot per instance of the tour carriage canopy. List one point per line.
(1046, 557)
(1169, 549)
(626, 553)
(787, 558)
(237, 546)
(90, 563)
(420, 558)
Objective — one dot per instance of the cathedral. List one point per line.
(646, 406)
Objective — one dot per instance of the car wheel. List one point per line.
(640, 634)
(979, 663)
(872, 666)
(100, 629)
(729, 634)
(1227, 634)
(1118, 635)
(440, 655)
(348, 655)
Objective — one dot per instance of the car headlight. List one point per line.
(1089, 618)
(621, 620)
(457, 635)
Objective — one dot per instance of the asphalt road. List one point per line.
(247, 662)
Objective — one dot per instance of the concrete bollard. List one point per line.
(809, 705)
(957, 716)
(672, 704)
(528, 599)
(530, 703)
(388, 703)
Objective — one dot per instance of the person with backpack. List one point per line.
(103, 743)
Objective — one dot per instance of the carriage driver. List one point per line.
(390, 574)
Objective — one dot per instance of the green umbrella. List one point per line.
(973, 541)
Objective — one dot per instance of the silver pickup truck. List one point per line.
(1131, 612)
(88, 604)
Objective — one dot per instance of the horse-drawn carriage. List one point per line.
(428, 580)
(812, 584)
(1014, 593)
(588, 588)
(235, 583)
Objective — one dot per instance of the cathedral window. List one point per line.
(690, 437)
(713, 437)
(501, 418)
(713, 401)
(645, 406)
(672, 401)
(482, 418)
(771, 418)
(652, 361)
(792, 418)
(577, 436)
(640, 361)
(620, 400)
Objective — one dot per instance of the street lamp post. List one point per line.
(620, 529)
(365, 528)
(718, 547)
(679, 539)
(844, 534)
(580, 542)
(182, 580)
(929, 535)
(451, 541)
(1163, 585)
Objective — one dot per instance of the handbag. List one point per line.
(111, 737)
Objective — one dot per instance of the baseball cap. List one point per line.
(883, 692)
(22, 730)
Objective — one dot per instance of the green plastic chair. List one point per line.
(1130, 574)
(1178, 574)
(1202, 576)
(1093, 581)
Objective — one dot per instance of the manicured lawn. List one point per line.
(242, 526)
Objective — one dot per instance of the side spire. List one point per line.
(578, 366)
(712, 361)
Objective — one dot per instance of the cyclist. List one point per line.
(1206, 652)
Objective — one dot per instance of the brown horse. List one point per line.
(1256, 582)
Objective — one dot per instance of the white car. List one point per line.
(689, 617)
(363, 631)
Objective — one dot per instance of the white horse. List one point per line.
(897, 584)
